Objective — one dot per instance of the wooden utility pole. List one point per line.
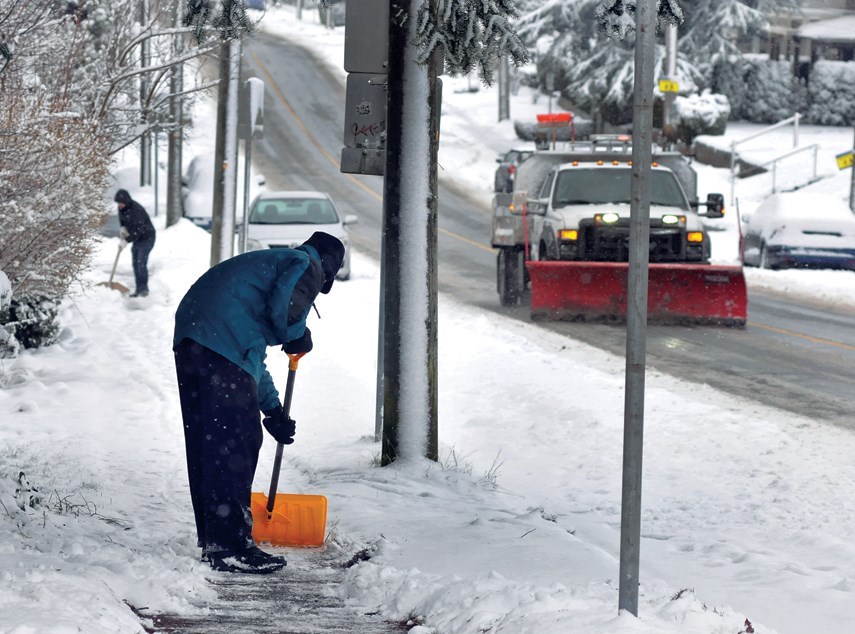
(410, 386)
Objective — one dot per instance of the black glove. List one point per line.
(301, 345)
(279, 425)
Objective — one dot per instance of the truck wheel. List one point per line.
(509, 276)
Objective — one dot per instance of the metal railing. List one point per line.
(774, 163)
(794, 120)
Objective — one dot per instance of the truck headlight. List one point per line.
(608, 218)
(253, 245)
(672, 219)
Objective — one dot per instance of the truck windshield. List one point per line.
(582, 186)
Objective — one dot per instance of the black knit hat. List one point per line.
(331, 251)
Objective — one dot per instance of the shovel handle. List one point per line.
(115, 264)
(293, 361)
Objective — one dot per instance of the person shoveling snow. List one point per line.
(223, 326)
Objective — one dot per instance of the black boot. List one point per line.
(253, 560)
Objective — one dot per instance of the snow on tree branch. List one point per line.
(473, 34)
(617, 17)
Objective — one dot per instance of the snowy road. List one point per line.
(790, 356)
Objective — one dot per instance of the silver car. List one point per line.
(289, 218)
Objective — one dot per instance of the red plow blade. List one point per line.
(677, 293)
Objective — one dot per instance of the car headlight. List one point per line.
(254, 245)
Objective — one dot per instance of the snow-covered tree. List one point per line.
(227, 18)
(473, 34)
(712, 27)
(69, 96)
(591, 50)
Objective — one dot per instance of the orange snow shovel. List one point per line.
(115, 285)
(288, 519)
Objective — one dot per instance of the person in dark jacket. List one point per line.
(136, 228)
(223, 327)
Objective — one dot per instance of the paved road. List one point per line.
(794, 357)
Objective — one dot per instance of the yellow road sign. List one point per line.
(847, 159)
(669, 85)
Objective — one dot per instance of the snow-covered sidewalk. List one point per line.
(516, 529)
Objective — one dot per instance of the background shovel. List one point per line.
(288, 519)
(115, 285)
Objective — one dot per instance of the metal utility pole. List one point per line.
(145, 139)
(636, 313)
(504, 89)
(225, 153)
(251, 126)
(174, 206)
(410, 349)
(299, 9)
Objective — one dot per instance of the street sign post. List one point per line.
(365, 124)
(366, 59)
(845, 160)
(668, 85)
(366, 36)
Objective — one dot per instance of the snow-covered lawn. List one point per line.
(746, 511)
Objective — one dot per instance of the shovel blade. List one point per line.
(296, 520)
(115, 286)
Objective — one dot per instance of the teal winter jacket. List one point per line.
(249, 302)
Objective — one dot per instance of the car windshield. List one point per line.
(293, 211)
(581, 186)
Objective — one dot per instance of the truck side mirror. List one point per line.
(715, 206)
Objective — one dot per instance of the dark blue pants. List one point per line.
(222, 435)
(139, 256)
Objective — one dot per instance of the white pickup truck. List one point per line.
(575, 206)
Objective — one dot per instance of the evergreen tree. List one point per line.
(474, 34)
(590, 43)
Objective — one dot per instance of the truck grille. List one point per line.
(611, 244)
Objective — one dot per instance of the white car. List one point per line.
(289, 218)
(198, 190)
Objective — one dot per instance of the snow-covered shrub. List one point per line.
(728, 78)
(53, 166)
(759, 89)
(8, 344)
(701, 114)
(32, 320)
(771, 91)
(831, 92)
(51, 193)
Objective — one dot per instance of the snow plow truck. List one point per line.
(565, 232)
